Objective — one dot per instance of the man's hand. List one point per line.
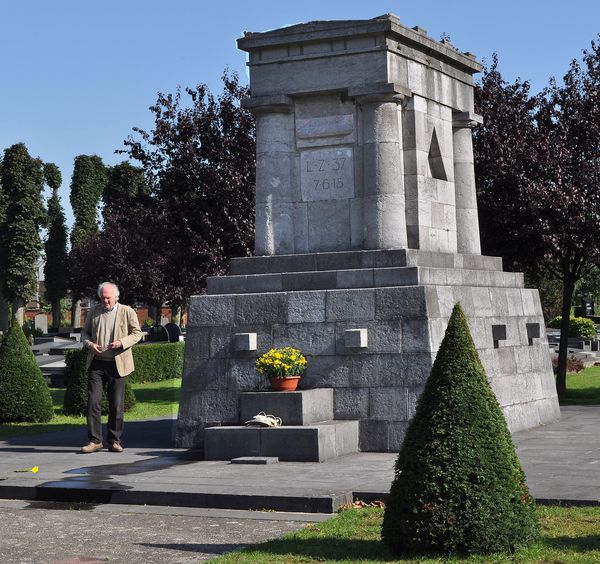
(116, 345)
(95, 347)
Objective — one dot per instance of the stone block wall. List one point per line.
(378, 385)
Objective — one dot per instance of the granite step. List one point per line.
(361, 278)
(347, 260)
(291, 443)
(301, 407)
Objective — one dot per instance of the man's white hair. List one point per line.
(117, 293)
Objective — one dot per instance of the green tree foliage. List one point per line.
(458, 486)
(538, 172)
(76, 394)
(56, 266)
(199, 162)
(129, 225)
(22, 180)
(24, 394)
(87, 184)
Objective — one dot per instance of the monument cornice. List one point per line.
(382, 28)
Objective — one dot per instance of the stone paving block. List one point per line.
(243, 375)
(225, 443)
(305, 307)
(388, 403)
(384, 337)
(249, 265)
(303, 407)
(364, 371)
(404, 276)
(211, 310)
(264, 283)
(373, 436)
(327, 371)
(396, 431)
(298, 281)
(260, 308)
(226, 285)
(350, 305)
(404, 370)
(351, 403)
(395, 303)
(355, 278)
(415, 335)
(220, 342)
(310, 338)
(197, 339)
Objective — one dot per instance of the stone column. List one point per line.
(467, 220)
(384, 213)
(274, 165)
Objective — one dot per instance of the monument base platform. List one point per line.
(370, 324)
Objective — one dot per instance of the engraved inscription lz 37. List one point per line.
(326, 174)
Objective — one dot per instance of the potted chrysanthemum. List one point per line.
(283, 367)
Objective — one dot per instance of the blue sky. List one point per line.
(77, 75)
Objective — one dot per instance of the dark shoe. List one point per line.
(91, 447)
(115, 447)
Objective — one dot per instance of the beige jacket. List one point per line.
(127, 330)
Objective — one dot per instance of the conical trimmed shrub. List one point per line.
(24, 394)
(76, 394)
(458, 486)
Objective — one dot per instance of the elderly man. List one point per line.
(110, 330)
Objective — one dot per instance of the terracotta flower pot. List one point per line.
(284, 384)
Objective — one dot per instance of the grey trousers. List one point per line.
(103, 372)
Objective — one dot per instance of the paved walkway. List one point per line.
(561, 461)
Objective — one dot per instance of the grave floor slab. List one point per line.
(560, 460)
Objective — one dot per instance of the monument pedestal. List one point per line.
(370, 323)
(308, 432)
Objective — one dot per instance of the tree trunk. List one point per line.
(175, 314)
(3, 313)
(76, 314)
(561, 370)
(18, 310)
(56, 314)
(153, 314)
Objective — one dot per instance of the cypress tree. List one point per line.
(22, 181)
(459, 486)
(87, 184)
(56, 267)
(24, 394)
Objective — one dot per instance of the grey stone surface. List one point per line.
(366, 229)
(356, 338)
(395, 110)
(244, 341)
(302, 407)
(309, 443)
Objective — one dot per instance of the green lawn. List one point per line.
(583, 388)
(568, 535)
(156, 399)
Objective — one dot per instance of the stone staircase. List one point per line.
(308, 432)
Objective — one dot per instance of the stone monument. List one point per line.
(366, 236)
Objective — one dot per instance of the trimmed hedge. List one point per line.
(157, 361)
(76, 394)
(458, 486)
(24, 394)
(579, 327)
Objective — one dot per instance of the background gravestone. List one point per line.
(41, 323)
(366, 236)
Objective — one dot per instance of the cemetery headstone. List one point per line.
(41, 323)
